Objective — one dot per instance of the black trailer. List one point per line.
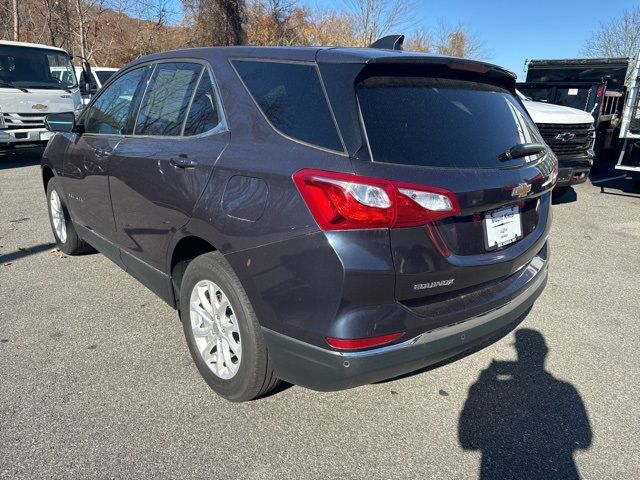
(596, 85)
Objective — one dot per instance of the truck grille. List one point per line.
(14, 121)
(567, 139)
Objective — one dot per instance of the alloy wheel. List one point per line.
(215, 329)
(57, 216)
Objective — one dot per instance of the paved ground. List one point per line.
(96, 380)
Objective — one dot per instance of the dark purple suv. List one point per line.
(326, 216)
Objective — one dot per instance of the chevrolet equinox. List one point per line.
(329, 217)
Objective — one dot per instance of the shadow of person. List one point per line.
(526, 423)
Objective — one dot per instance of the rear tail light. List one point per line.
(342, 201)
(360, 343)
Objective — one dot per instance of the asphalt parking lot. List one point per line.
(96, 380)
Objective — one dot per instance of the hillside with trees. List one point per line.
(113, 32)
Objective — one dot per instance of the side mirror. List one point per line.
(60, 122)
(87, 87)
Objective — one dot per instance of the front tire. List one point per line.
(222, 331)
(65, 234)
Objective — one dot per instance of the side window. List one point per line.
(165, 104)
(111, 110)
(291, 97)
(203, 115)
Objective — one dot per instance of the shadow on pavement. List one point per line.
(20, 157)
(526, 423)
(563, 195)
(25, 252)
(490, 340)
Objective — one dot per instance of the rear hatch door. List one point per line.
(451, 131)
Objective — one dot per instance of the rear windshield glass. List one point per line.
(441, 122)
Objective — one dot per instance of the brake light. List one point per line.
(600, 91)
(342, 201)
(359, 343)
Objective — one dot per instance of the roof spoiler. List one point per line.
(390, 42)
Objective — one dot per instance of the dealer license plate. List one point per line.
(502, 227)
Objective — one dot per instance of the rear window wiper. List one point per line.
(11, 85)
(521, 150)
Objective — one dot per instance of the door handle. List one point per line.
(101, 152)
(182, 161)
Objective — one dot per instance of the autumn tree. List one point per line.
(276, 22)
(326, 27)
(619, 37)
(216, 22)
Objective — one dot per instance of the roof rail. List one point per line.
(390, 42)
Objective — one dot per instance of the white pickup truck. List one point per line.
(34, 80)
(99, 75)
(570, 134)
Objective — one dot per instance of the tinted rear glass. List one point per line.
(291, 97)
(165, 103)
(440, 122)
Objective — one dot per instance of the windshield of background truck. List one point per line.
(30, 67)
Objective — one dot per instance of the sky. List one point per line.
(517, 30)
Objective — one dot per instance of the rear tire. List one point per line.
(222, 331)
(67, 239)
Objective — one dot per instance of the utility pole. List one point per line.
(16, 22)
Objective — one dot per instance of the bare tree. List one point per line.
(421, 41)
(16, 21)
(459, 41)
(619, 37)
(375, 18)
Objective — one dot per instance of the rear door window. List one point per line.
(291, 97)
(203, 114)
(110, 112)
(164, 106)
(439, 122)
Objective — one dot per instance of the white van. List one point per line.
(34, 80)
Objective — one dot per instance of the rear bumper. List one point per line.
(327, 370)
(573, 170)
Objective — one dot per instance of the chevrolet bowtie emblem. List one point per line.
(39, 106)
(521, 190)
(565, 137)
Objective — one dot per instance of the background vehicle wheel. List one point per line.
(66, 236)
(222, 330)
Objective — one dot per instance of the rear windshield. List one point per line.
(440, 122)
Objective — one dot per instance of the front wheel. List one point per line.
(65, 235)
(222, 331)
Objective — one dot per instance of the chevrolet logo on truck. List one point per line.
(565, 137)
(39, 106)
